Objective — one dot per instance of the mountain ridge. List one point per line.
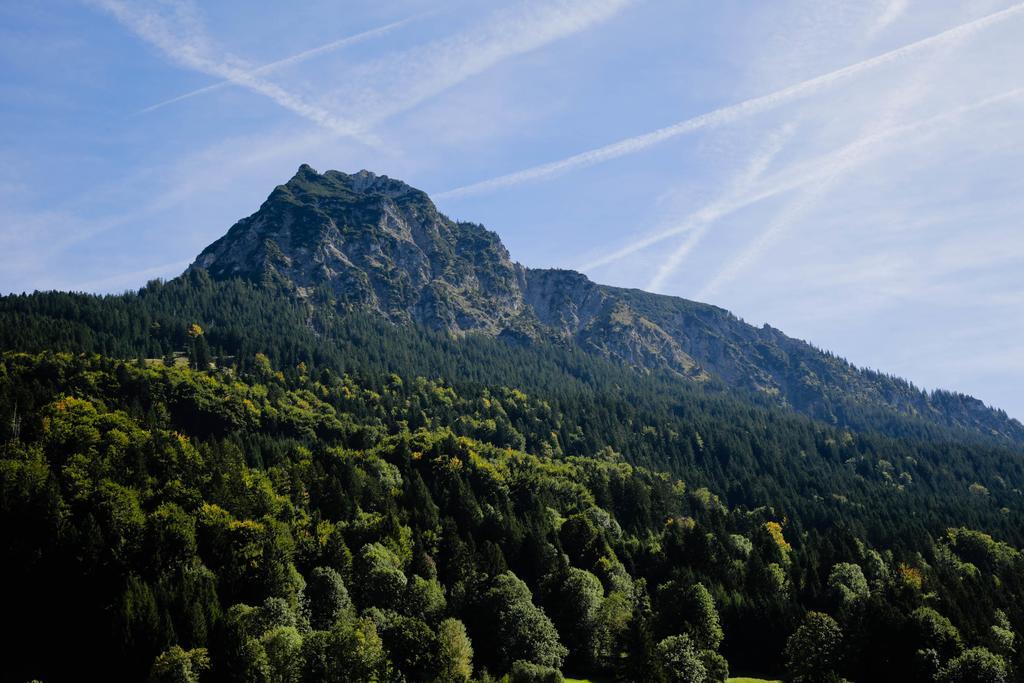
(369, 242)
(255, 428)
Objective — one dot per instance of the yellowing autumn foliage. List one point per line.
(774, 530)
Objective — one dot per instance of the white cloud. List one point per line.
(737, 111)
(819, 182)
(805, 173)
(292, 60)
(890, 109)
(361, 96)
(827, 177)
(702, 219)
(371, 92)
(400, 81)
(893, 11)
(175, 29)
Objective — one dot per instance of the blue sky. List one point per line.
(850, 172)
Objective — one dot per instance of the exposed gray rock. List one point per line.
(374, 243)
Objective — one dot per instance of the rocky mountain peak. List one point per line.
(369, 242)
(310, 185)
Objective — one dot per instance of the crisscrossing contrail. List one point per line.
(733, 112)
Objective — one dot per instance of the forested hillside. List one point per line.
(338, 242)
(296, 523)
(356, 442)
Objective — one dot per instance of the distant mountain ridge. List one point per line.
(368, 242)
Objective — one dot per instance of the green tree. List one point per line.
(379, 577)
(328, 598)
(693, 607)
(681, 661)
(582, 540)
(366, 657)
(283, 646)
(170, 536)
(424, 598)
(138, 619)
(242, 657)
(351, 651)
(936, 632)
(847, 583)
(528, 672)
(613, 625)
(357, 654)
(180, 666)
(576, 610)
(199, 350)
(813, 651)
(410, 642)
(274, 613)
(704, 626)
(1001, 636)
(716, 666)
(455, 652)
(976, 665)
(636, 653)
(521, 630)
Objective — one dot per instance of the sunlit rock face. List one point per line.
(369, 242)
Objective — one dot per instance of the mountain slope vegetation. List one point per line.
(373, 243)
(269, 525)
(355, 441)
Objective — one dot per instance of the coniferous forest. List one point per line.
(207, 480)
(515, 341)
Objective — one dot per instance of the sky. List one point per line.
(850, 172)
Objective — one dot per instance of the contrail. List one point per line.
(826, 176)
(294, 59)
(702, 219)
(733, 112)
(803, 174)
(856, 153)
(188, 47)
(744, 183)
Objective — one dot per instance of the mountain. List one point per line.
(372, 243)
(356, 441)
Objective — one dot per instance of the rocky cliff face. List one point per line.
(373, 243)
(369, 241)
